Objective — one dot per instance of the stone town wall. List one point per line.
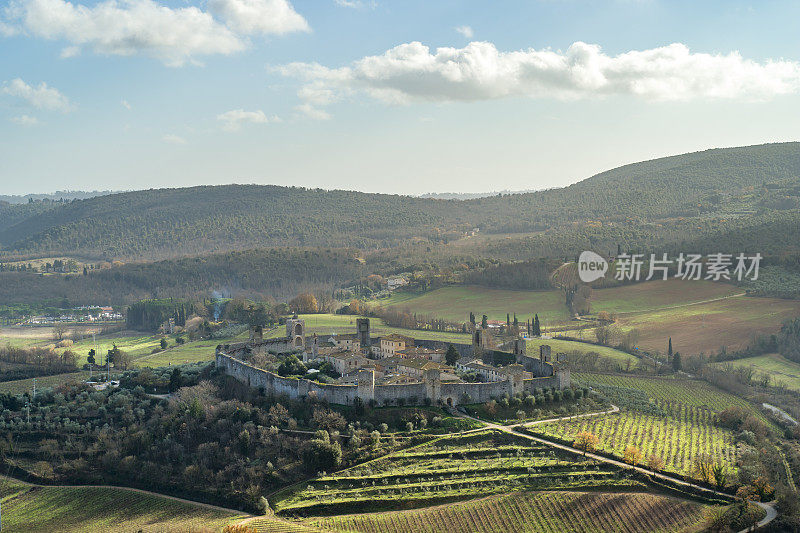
(410, 394)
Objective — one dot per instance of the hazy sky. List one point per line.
(389, 96)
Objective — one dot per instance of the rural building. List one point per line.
(393, 343)
(396, 282)
(421, 352)
(344, 362)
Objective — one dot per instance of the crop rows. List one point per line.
(529, 512)
(677, 438)
(444, 470)
(693, 393)
(47, 509)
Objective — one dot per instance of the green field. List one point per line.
(564, 346)
(29, 509)
(21, 386)
(781, 371)
(700, 316)
(138, 345)
(551, 512)
(454, 303)
(446, 469)
(652, 295)
(327, 324)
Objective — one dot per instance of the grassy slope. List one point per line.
(535, 512)
(22, 386)
(564, 346)
(325, 324)
(780, 369)
(454, 303)
(45, 509)
(658, 294)
(732, 322)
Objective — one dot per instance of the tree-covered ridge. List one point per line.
(725, 183)
(11, 214)
(274, 273)
(217, 218)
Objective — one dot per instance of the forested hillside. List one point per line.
(11, 214)
(274, 273)
(659, 200)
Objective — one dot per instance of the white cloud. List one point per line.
(174, 139)
(25, 120)
(412, 73)
(6, 30)
(41, 97)
(70, 51)
(126, 105)
(233, 120)
(258, 16)
(310, 111)
(466, 31)
(172, 35)
(357, 4)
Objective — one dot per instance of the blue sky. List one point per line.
(133, 94)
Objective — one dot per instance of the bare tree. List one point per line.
(59, 331)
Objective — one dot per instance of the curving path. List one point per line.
(771, 515)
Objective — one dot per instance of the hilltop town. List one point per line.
(389, 370)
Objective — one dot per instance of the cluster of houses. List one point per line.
(78, 314)
(397, 359)
(395, 369)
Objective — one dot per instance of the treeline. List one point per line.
(525, 275)
(34, 362)
(277, 274)
(148, 315)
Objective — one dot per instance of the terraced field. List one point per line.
(554, 512)
(447, 469)
(32, 509)
(670, 418)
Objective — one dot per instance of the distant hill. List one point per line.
(58, 195)
(469, 195)
(648, 200)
